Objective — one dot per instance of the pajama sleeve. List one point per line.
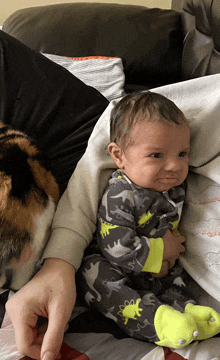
(117, 233)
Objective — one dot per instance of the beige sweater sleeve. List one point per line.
(75, 219)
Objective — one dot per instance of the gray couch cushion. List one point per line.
(201, 26)
(149, 41)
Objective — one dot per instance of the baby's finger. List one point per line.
(182, 248)
(182, 239)
(175, 232)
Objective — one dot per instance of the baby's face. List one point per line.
(157, 156)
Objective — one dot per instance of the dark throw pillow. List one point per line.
(51, 105)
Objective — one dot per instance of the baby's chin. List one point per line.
(166, 184)
(165, 187)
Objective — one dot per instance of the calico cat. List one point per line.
(28, 197)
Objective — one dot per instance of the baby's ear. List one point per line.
(116, 154)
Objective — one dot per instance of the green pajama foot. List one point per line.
(174, 329)
(206, 318)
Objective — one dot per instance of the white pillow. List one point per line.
(103, 73)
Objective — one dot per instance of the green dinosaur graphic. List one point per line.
(105, 227)
(129, 310)
(145, 217)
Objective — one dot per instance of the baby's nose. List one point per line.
(172, 165)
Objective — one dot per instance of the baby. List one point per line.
(132, 279)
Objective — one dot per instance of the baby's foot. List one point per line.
(206, 318)
(173, 328)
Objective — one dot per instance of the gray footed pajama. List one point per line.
(116, 279)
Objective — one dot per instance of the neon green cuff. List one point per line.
(155, 256)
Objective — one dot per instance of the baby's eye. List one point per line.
(183, 154)
(157, 155)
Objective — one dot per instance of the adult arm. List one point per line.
(76, 216)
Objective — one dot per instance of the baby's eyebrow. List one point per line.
(154, 148)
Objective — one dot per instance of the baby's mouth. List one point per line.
(167, 180)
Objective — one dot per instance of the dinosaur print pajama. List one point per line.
(115, 278)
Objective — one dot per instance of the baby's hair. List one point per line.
(141, 106)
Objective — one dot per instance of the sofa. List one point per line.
(61, 66)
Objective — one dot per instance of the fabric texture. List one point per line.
(201, 51)
(129, 216)
(176, 5)
(104, 74)
(48, 103)
(90, 337)
(149, 41)
(132, 300)
(117, 282)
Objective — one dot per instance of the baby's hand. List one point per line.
(172, 247)
(163, 271)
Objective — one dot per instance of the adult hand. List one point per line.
(51, 294)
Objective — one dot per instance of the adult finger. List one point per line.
(27, 342)
(24, 322)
